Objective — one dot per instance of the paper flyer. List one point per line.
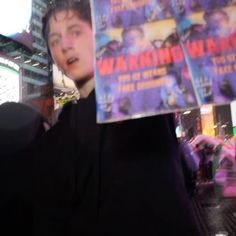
(155, 56)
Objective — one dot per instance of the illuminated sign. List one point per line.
(206, 109)
(9, 80)
(15, 20)
(64, 88)
(233, 116)
(207, 120)
(233, 112)
(234, 131)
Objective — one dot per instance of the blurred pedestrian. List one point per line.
(20, 128)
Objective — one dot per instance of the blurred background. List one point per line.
(26, 75)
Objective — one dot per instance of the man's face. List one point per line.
(70, 41)
(217, 21)
(162, 4)
(133, 38)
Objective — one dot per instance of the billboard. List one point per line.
(64, 89)
(10, 80)
(233, 116)
(233, 113)
(15, 20)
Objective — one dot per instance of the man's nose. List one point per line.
(66, 43)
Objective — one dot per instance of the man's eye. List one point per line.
(53, 42)
(76, 33)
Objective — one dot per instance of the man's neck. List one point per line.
(87, 88)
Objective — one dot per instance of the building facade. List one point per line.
(36, 76)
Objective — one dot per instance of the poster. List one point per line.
(155, 57)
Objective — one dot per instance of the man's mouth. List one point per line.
(72, 60)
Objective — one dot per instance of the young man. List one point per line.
(113, 179)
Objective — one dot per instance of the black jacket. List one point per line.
(20, 129)
(112, 179)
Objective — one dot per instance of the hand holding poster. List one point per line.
(155, 57)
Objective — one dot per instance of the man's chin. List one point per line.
(75, 77)
(81, 77)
